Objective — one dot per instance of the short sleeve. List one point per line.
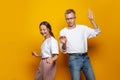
(54, 46)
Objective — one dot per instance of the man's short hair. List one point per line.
(69, 11)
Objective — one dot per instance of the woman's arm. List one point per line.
(53, 59)
(35, 54)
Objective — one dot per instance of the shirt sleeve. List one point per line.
(92, 32)
(54, 47)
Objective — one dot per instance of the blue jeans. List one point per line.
(79, 63)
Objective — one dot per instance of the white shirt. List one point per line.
(49, 47)
(77, 38)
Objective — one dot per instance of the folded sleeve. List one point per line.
(90, 33)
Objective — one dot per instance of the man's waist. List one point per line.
(76, 50)
(78, 54)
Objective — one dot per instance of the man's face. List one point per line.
(70, 19)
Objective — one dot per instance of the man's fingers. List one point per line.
(62, 37)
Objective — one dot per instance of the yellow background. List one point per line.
(19, 36)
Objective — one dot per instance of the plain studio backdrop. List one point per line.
(19, 36)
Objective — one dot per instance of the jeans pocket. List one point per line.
(86, 57)
(71, 59)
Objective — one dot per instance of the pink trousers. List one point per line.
(46, 71)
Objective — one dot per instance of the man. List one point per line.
(73, 40)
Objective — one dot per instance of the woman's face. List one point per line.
(44, 31)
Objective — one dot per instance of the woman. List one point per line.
(49, 54)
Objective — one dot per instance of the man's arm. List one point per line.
(63, 42)
(90, 16)
(64, 46)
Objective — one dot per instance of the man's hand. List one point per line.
(90, 14)
(63, 39)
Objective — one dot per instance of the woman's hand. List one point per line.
(35, 54)
(49, 60)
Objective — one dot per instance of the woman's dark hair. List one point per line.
(48, 26)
